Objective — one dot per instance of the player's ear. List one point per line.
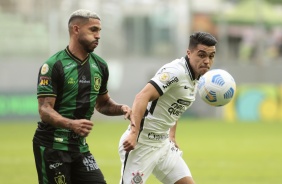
(188, 52)
(75, 29)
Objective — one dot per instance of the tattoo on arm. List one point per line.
(48, 114)
(110, 108)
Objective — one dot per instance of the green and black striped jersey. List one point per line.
(75, 84)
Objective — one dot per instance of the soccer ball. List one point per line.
(216, 87)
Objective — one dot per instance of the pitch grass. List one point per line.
(216, 152)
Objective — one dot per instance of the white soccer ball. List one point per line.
(216, 87)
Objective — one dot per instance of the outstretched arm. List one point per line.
(107, 106)
(147, 94)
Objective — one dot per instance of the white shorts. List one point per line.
(165, 162)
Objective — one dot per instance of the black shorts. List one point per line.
(62, 167)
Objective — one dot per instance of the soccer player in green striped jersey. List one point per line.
(71, 84)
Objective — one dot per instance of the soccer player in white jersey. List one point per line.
(148, 145)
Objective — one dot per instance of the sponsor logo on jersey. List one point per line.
(190, 90)
(173, 80)
(154, 136)
(137, 178)
(70, 65)
(59, 139)
(55, 165)
(90, 163)
(97, 83)
(183, 102)
(177, 109)
(44, 69)
(71, 81)
(83, 80)
(44, 81)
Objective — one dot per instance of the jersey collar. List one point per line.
(75, 58)
(190, 69)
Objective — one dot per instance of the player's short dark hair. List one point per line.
(201, 38)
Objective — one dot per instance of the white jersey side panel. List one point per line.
(178, 90)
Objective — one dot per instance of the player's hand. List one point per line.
(82, 127)
(129, 142)
(126, 111)
(174, 141)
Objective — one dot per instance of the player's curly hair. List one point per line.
(201, 38)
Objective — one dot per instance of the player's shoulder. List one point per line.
(56, 57)
(98, 58)
(176, 66)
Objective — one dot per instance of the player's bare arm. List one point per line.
(48, 115)
(147, 94)
(107, 106)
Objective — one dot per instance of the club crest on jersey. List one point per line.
(44, 69)
(137, 178)
(164, 77)
(97, 83)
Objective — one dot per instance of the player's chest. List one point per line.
(185, 90)
(86, 76)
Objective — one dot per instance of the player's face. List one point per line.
(89, 35)
(201, 58)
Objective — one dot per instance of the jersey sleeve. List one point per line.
(165, 79)
(103, 88)
(47, 81)
(105, 73)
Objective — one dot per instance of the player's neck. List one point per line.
(78, 52)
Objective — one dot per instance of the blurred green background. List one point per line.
(215, 151)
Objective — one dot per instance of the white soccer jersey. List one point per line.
(177, 87)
